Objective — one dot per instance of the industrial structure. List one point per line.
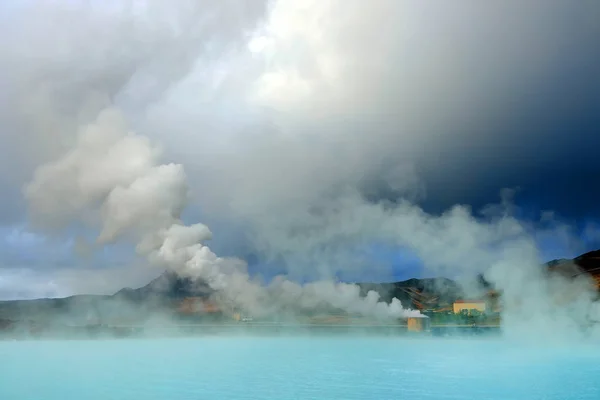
(197, 305)
(418, 324)
(469, 305)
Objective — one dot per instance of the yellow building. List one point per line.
(460, 305)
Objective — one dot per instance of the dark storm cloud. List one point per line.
(539, 133)
(543, 140)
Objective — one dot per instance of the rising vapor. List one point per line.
(300, 125)
(112, 180)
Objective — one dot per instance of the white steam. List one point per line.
(288, 116)
(112, 180)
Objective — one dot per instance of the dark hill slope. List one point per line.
(164, 295)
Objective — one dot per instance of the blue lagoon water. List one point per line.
(296, 368)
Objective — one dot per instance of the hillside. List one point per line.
(167, 286)
(160, 297)
(588, 263)
(171, 296)
(421, 294)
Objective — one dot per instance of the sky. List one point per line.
(296, 122)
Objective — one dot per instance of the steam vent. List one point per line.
(418, 324)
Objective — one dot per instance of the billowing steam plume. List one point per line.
(300, 124)
(112, 179)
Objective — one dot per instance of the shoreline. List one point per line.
(260, 329)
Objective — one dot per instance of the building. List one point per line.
(237, 316)
(418, 324)
(197, 305)
(469, 305)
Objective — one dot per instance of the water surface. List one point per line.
(296, 368)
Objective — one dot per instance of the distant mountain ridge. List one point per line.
(165, 293)
(167, 286)
(418, 293)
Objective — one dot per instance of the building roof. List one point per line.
(469, 301)
(194, 305)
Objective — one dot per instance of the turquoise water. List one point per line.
(296, 368)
